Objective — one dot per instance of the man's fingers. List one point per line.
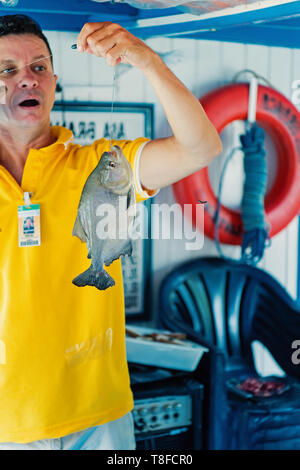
(112, 41)
(89, 29)
(100, 46)
(115, 55)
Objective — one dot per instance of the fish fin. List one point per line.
(102, 280)
(78, 230)
(127, 250)
(111, 260)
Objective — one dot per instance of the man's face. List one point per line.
(35, 82)
(28, 223)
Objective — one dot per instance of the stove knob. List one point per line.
(140, 425)
(177, 406)
(167, 407)
(143, 411)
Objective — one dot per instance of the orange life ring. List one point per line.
(279, 117)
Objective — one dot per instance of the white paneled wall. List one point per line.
(205, 65)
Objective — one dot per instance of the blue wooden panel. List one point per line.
(66, 15)
(70, 7)
(148, 28)
(263, 35)
(278, 25)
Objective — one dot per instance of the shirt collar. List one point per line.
(64, 137)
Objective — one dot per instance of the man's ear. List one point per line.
(57, 89)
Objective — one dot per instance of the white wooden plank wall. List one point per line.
(205, 65)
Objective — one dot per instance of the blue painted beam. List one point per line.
(147, 28)
(252, 35)
(51, 12)
(58, 23)
(65, 22)
(290, 22)
(59, 15)
(70, 7)
(270, 28)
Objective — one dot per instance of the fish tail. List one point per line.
(102, 280)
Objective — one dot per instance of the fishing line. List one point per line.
(112, 107)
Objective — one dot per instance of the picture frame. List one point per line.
(90, 121)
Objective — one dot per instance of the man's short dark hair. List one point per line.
(22, 24)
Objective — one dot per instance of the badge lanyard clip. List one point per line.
(27, 199)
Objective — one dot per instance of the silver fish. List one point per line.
(111, 183)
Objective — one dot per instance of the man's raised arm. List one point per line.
(195, 141)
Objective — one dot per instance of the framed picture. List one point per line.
(90, 121)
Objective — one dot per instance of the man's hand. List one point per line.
(115, 44)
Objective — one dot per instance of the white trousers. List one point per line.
(115, 435)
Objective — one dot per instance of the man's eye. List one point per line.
(10, 70)
(7, 71)
(41, 67)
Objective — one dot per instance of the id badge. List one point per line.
(29, 225)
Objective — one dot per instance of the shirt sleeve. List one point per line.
(132, 150)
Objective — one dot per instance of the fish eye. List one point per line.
(112, 164)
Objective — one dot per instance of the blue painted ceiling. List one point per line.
(277, 25)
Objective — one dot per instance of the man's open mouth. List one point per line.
(29, 103)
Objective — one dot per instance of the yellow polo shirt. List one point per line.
(63, 362)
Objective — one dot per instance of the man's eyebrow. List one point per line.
(9, 61)
(41, 57)
(6, 61)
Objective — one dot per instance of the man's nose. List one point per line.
(28, 79)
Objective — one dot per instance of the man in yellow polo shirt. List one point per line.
(64, 381)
